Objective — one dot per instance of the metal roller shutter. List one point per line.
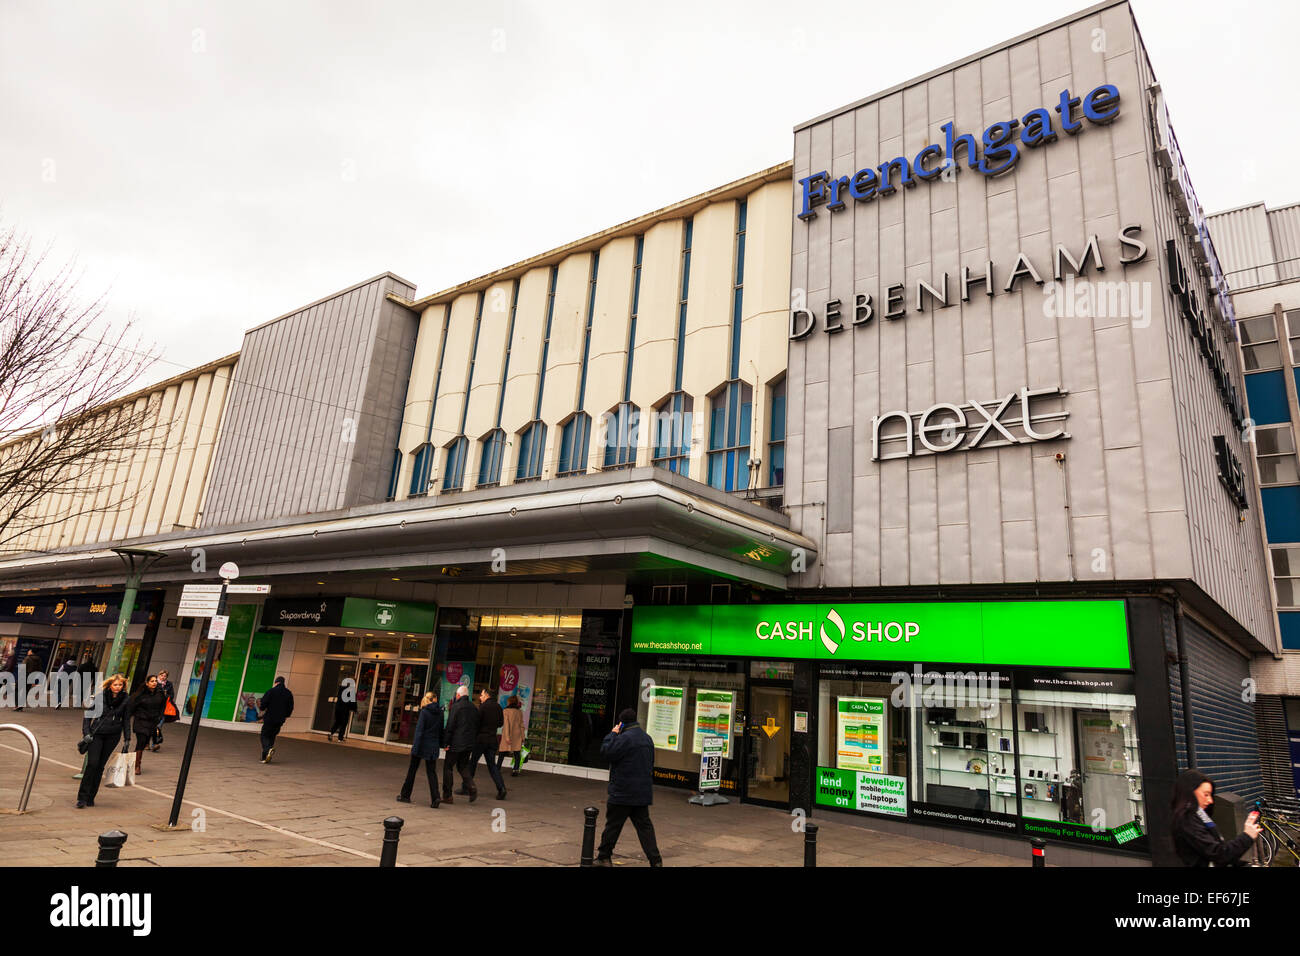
(1227, 746)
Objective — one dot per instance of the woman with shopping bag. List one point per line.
(101, 736)
(170, 713)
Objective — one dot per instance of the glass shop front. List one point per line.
(1013, 717)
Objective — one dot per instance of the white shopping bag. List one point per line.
(120, 772)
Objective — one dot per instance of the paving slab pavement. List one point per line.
(320, 803)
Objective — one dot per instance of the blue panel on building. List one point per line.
(1282, 513)
(1266, 393)
(1290, 621)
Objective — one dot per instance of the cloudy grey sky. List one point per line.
(216, 164)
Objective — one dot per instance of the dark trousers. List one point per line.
(341, 725)
(269, 732)
(99, 753)
(157, 733)
(616, 814)
(142, 740)
(501, 758)
(430, 767)
(493, 763)
(457, 760)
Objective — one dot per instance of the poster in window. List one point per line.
(713, 710)
(664, 717)
(1103, 745)
(859, 734)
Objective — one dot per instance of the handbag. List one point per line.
(84, 743)
(120, 771)
(170, 712)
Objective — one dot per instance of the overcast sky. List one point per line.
(215, 164)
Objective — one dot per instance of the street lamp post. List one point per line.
(137, 561)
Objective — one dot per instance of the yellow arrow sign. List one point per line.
(770, 728)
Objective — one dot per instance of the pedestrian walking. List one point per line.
(428, 738)
(63, 684)
(631, 756)
(105, 731)
(170, 710)
(144, 711)
(512, 734)
(345, 705)
(485, 744)
(31, 665)
(460, 736)
(277, 706)
(1197, 840)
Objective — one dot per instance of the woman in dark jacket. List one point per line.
(107, 729)
(1196, 839)
(145, 710)
(425, 746)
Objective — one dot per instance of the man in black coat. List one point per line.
(277, 706)
(461, 732)
(631, 756)
(490, 719)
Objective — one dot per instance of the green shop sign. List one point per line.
(1080, 634)
(389, 615)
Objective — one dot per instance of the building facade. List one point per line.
(1261, 258)
(904, 470)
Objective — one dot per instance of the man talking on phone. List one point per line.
(631, 756)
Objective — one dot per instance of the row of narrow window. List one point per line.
(728, 464)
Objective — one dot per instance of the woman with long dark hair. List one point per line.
(145, 710)
(1196, 839)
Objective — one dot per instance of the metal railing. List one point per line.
(31, 770)
(1270, 273)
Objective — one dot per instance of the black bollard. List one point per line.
(392, 833)
(810, 844)
(1039, 848)
(110, 846)
(589, 836)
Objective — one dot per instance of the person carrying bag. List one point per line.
(101, 737)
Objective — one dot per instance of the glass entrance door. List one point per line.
(331, 685)
(406, 702)
(767, 743)
(374, 692)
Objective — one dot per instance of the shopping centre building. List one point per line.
(911, 469)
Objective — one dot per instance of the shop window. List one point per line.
(730, 413)
(453, 478)
(421, 468)
(491, 452)
(672, 429)
(532, 446)
(1275, 453)
(776, 437)
(864, 741)
(966, 749)
(680, 703)
(342, 644)
(622, 426)
(1286, 575)
(533, 655)
(575, 435)
(1259, 343)
(1080, 774)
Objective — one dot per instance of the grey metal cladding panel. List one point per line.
(352, 329)
(1227, 747)
(296, 371)
(839, 479)
(390, 364)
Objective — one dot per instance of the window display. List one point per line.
(1080, 770)
(692, 697)
(863, 740)
(967, 761)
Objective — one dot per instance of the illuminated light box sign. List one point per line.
(1001, 152)
(1077, 634)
